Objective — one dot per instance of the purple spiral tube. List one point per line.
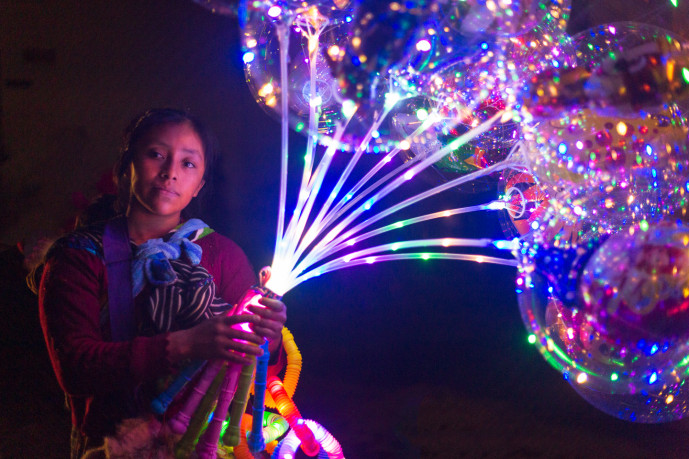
(162, 401)
(185, 446)
(178, 424)
(208, 443)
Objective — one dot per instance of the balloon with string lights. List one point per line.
(305, 33)
(598, 291)
(622, 68)
(635, 383)
(383, 36)
(611, 121)
(488, 149)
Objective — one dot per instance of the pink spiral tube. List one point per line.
(291, 413)
(179, 423)
(208, 443)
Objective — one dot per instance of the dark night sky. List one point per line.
(400, 360)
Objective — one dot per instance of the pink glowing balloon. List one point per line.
(635, 287)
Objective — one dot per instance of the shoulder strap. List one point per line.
(118, 257)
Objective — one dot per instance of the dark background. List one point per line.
(411, 359)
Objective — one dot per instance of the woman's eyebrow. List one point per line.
(192, 151)
(189, 151)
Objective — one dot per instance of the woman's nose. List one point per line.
(168, 171)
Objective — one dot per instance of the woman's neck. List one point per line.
(143, 225)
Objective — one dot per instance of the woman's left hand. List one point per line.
(272, 319)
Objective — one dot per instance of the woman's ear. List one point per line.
(198, 189)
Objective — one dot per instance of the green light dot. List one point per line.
(643, 225)
(614, 377)
(532, 339)
(685, 74)
(299, 127)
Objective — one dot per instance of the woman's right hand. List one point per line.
(216, 339)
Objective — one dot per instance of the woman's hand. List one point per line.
(271, 320)
(216, 339)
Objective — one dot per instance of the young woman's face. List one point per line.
(167, 169)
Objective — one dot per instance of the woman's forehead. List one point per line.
(183, 134)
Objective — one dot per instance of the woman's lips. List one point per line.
(166, 191)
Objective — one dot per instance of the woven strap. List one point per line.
(118, 257)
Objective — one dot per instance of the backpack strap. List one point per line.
(118, 261)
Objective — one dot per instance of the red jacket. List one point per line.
(106, 381)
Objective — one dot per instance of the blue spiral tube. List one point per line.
(255, 439)
(162, 401)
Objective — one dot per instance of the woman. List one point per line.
(182, 275)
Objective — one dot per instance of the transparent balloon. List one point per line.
(621, 68)
(644, 384)
(443, 128)
(591, 276)
(534, 50)
(635, 287)
(287, 50)
(652, 55)
(602, 122)
(583, 148)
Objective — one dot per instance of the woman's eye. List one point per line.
(155, 154)
(189, 164)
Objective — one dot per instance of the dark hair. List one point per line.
(138, 128)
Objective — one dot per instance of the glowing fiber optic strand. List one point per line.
(311, 24)
(438, 242)
(325, 247)
(344, 263)
(283, 39)
(311, 187)
(334, 242)
(494, 205)
(326, 215)
(353, 196)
